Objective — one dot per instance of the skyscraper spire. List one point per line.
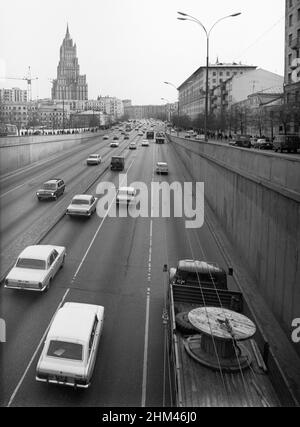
(67, 33)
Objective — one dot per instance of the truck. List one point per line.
(205, 369)
(160, 138)
(117, 163)
(150, 134)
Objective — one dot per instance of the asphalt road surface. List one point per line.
(114, 262)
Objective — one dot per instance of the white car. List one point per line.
(145, 143)
(162, 168)
(36, 267)
(126, 196)
(94, 159)
(200, 137)
(82, 205)
(70, 350)
(132, 146)
(114, 144)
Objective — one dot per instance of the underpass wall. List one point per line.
(256, 198)
(18, 152)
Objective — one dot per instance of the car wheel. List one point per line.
(48, 285)
(39, 199)
(63, 262)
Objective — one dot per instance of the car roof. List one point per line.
(53, 181)
(74, 321)
(162, 164)
(94, 155)
(37, 252)
(83, 197)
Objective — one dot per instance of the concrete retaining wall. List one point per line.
(256, 197)
(18, 152)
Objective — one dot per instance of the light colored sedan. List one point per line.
(132, 146)
(162, 168)
(105, 137)
(36, 267)
(126, 196)
(82, 205)
(94, 159)
(70, 350)
(114, 144)
(145, 143)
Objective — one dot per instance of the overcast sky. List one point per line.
(127, 48)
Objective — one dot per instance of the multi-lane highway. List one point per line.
(113, 262)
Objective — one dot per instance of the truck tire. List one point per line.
(184, 325)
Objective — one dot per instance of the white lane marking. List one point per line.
(150, 252)
(99, 228)
(36, 351)
(145, 364)
(28, 169)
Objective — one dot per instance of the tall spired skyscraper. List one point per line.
(69, 85)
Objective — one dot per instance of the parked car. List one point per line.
(195, 273)
(162, 168)
(82, 205)
(105, 137)
(241, 141)
(289, 143)
(117, 163)
(200, 138)
(115, 138)
(126, 196)
(145, 143)
(94, 159)
(263, 144)
(132, 146)
(35, 268)
(70, 350)
(187, 136)
(51, 189)
(126, 137)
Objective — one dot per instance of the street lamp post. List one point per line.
(169, 113)
(178, 109)
(186, 17)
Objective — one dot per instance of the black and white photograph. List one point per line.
(149, 207)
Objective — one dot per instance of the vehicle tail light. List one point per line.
(40, 285)
(6, 282)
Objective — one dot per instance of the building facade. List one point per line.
(13, 95)
(139, 112)
(292, 60)
(15, 113)
(192, 91)
(69, 84)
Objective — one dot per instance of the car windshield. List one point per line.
(48, 186)
(65, 350)
(35, 264)
(80, 202)
(94, 156)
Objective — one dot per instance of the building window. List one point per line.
(291, 20)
